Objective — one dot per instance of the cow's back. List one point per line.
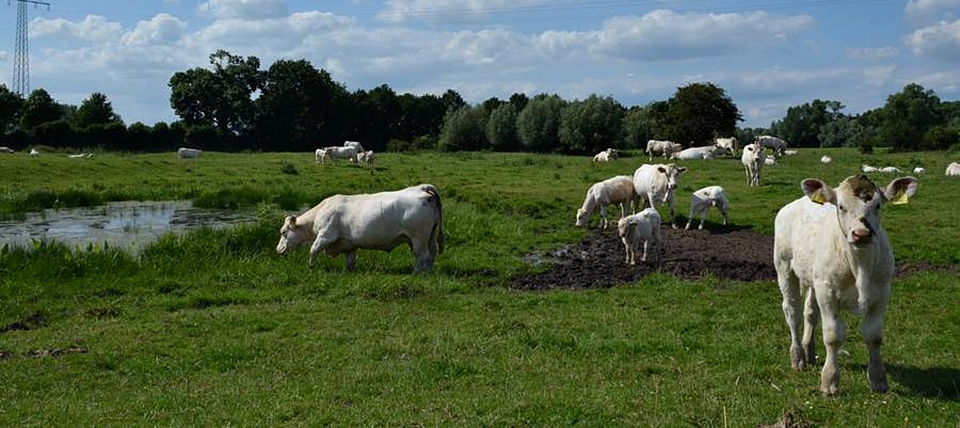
(377, 221)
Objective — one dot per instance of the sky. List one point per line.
(767, 55)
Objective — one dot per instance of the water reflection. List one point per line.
(128, 224)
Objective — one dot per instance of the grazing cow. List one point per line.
(703, 199)
(5, 149)
(617, 190)
(830, 245)
(953, 169)
(868, 168)
(666, 148)
(774, 143)
(355, 145)
(694, 153)
(338, 152)
(185, 153)
(643, 226)
(727, 143)
(656, 183)
(378, 221)
(826, 159)
(890, 170)
(607, 155)
(919, 170)
(753, 159)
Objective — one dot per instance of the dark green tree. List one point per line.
(463, 129)
(538, 125)
(908, 115)
(11, 105)
(645, 123)
(38, 109)
(95, 110)
(221, 98)
(502, 128)
(802, 125)
(698, 112)
(590, 125)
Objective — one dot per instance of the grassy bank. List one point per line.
(214, 328)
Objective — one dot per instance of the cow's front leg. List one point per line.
(673, 221)
(351, 260)
(318, 245)
(872, 331)
(834, 333)
(603, 216)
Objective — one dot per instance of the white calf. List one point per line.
(953, 169)
(826, 159)
(770, 160)
(830, 245)
(367, 158)
(656, 183)
(727, 143)
(753, 159)
(665, 148)
(703, 199)
(643, 226)
(890, 170)
(617, 190)
(919, 170)
(34, 153)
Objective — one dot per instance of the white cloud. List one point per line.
(921, 12)
(162, 29)
(942, 82)
(93, 28)
(940, 41)
(451, 10)
(243, 9)
(667, 35)
(873, 54)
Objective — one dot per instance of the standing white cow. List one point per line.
(694, 153)
(187, 153)
(656, 183)
(953, 169)
(774, 143)
(727, 143)
(338, 152)
(753, 159)
(663, 147)
(378, 221)
(703, 199)
(643, 226)
(367, 158)
(617, 190)
(830, 245)
(355, 144)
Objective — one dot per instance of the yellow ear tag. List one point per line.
(817, 197)
(900, 198)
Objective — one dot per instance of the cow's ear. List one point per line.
(291, 221)
(661, 169)
(900, 190)
(818, 191)
(681, 170)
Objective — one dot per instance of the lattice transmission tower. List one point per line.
(21, 56)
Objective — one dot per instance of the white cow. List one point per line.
(830, 245)
(643, 226)
(774, 143)
(607, 155)
(338, 152)
(617, 190)
(656, 183)
(34, 153)
(826, 159)
(753, 159)
(772, 160)
(666, 148)
(354, 144)
(186, 153)
(378, 221)
(919, 170)
(367, 158)
(868, 168)
(319, 156)
(790, 152)
(890, 170)
(953, 169)
(693, 153)
(5, 149)
(703, 199)
(727, 143)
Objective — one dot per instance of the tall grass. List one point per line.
(214, 328)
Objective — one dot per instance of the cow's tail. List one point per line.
(437, 232)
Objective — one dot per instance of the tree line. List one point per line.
(235, 105)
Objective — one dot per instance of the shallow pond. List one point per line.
(128, 224)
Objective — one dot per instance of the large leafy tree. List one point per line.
(221, 98)
(298, 108)
(700, 111)
(502, 128)
(908, 115)
(463, 129)
(645, 123)
(538, 125)
(95, 110)
(11, 104)
(374, 117)
(590, 125)
(38, 109)
(419, 116)
(802, 125)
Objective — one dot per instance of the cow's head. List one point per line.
(582, 217)
(753, 153)
(858, 203)
(671, 173)
(291, 235)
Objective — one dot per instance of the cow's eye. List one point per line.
(842, 208)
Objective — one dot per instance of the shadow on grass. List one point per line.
(942, 383)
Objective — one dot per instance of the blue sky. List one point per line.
(768, 55)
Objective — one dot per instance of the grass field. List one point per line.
(214, 328)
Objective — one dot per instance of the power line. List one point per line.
(21, 56)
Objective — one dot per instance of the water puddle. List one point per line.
(128, 224)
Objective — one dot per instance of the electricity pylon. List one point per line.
(21, 56)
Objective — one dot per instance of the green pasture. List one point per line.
(214, 328)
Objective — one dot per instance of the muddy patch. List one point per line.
(726, 253)
(33, 321)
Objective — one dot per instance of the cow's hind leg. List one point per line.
(351, 260)
(790, 290)
(422, 254)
